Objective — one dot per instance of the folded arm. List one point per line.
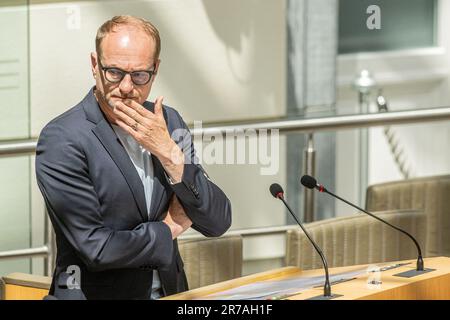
(203, 201)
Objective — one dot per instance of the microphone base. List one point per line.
(413, 273)
(322, 297)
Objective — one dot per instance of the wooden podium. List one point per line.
(431, 285)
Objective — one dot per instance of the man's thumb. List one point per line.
(158, 105)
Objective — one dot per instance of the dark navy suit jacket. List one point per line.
(96, 202)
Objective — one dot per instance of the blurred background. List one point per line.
(236, 62)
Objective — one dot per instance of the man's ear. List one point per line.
(157, 66)
(94, 64)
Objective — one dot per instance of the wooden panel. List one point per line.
(432, 285)
(15, 292)
(429, 289)
(28, 280)
(218, 287)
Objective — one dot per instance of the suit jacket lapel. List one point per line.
(158, 187)
(109, 140)
(159, 178)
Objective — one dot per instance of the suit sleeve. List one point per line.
(63, 178)
(204, 202)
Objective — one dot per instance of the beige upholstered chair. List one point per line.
(356, 239)
(207, 261)
(430, 194)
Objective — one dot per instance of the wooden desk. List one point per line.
(22, 286)
(431, 285)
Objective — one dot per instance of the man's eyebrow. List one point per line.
(114, 65)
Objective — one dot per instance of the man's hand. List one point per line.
(176, 218)
(150, 131)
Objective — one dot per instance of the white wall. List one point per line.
(14, 124)
(13, 73)
(220, 60)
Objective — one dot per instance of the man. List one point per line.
(118, 188)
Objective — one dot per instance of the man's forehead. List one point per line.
(128, 40)
(127, 52)
(124, 40)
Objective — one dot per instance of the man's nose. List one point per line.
(126, 85)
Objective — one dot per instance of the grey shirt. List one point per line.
(142, 161)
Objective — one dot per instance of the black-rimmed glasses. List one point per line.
(115, 75)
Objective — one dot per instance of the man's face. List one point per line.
(129, 49)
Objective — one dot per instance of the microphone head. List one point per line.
(308, 181)
(276, 190)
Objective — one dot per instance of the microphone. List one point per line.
(277, 191)
(311, 183)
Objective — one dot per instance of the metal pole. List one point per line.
(364, 84)
(24, 253)
(334, 123)
(309, 168)
(18, 147)
(363, 150)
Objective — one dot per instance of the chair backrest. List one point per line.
(208, 261)
(356, 239)
(430, 194)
